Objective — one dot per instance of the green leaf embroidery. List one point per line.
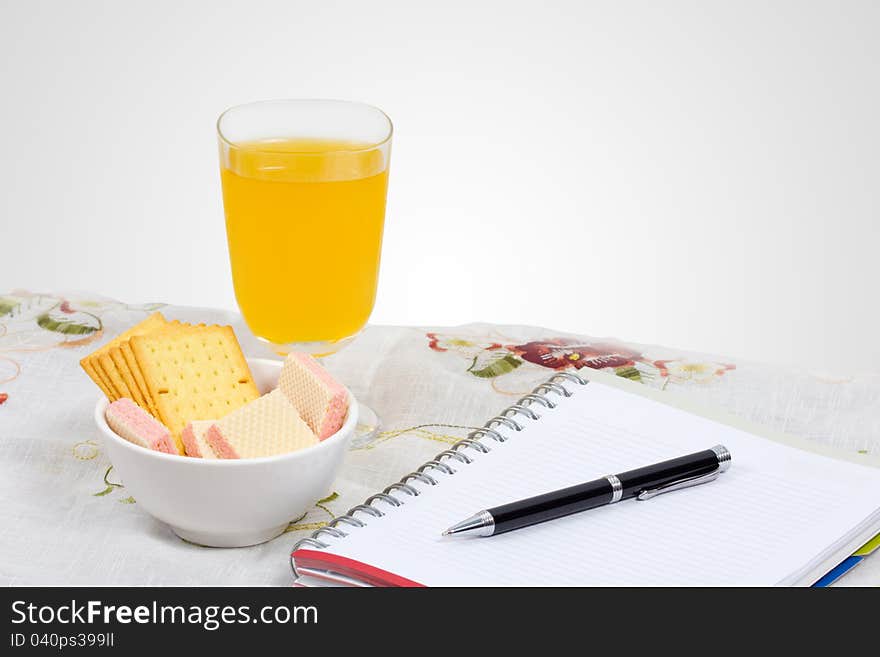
(8, 305)
(329, 498)
(306, 526)
(629, 372)
(107, 478)
(489, 364)
(110, 485)
(77, 323)
(127, 500)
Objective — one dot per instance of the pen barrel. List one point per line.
(551, 505)
(660, 474)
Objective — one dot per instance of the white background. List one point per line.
(701, 175)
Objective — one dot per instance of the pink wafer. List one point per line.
(137, 426)
(267, 426)
(193, 437)
(320, 400)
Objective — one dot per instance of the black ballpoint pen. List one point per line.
(642, 483)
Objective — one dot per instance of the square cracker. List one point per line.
(194, 374)
(127, 375)
(99, 379)
(140, 384)
(106, 365)
(96, 364)
(102, 365)
(135, 370)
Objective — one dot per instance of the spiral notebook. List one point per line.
(781, 515)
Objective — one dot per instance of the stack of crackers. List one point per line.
(187, 389)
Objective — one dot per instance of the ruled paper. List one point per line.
(775, 514)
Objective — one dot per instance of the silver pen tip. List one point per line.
(445, 532)
(479, 524)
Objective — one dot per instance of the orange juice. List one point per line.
(304, 221)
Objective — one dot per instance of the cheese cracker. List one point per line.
(99, 380)
(135, 370)
(106, 365)
(194, 374)
(100, 367)
(127, 377)
(131, 363)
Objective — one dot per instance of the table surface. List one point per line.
(66, 519)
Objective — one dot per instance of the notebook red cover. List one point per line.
(323, 564)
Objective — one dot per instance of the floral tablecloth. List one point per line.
(66, 519)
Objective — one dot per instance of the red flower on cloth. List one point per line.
(562, 353)
(3, 397)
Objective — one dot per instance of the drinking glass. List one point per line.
(304, 185)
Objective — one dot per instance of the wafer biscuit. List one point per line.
(267, 426)
(193, 437)
(194, 374)
(320, 400)
(133, 423)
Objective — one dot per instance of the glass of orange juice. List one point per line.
(304, 184)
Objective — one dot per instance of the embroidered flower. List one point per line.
(468, 346)
(562, 353)
(3, 397)
(680, 371)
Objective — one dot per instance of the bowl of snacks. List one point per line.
(225, 450)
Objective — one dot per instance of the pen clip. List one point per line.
(696, 480)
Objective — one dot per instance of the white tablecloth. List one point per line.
(65, 518)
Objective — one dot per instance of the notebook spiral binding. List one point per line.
(522, 407)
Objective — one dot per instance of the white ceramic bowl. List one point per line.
(234, 502)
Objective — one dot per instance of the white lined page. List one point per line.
(773, 515)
